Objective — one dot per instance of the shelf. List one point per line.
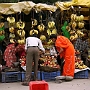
(86, 18)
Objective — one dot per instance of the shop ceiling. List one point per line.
(27, 6)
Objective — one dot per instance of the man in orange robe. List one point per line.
(66, 50)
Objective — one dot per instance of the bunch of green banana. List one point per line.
(51, 24)
(41, 27)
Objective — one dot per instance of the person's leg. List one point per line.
(36, 59)
(29, 60)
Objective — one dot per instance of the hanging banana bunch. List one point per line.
(2, 32)
(20, 24)
(51, 31)
(51, 24)
(42, 37)
(21, 33)
(34, 22)
(21, 41)
(33, 31)
(11, 21)
(41, 27)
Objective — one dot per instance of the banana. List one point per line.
(41, 27)
(34, 22)
(49, 32)
(11, 29)
(11, 19)
(33, 31)
(51, 24)
(54, 31)
(21, 41)
(11, 35)
(42, 37)
(20, 24)
(21, 33)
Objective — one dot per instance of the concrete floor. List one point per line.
(76, 84)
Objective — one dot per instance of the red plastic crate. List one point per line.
(38, 85)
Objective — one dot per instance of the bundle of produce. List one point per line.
(49, 65)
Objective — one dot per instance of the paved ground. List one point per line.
(76, 84)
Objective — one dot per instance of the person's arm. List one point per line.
(41, 46)
(26, 45)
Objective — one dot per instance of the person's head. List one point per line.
(53, 37)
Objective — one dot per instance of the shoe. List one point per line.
(69, 78)
(60, 77)
(25, 84)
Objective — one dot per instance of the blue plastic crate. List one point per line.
(23, 75)
(50, 75)
(82, 74)
(11, 76)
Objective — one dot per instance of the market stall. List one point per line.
(43, 21)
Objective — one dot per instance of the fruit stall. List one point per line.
(19, 20)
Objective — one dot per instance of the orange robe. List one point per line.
(68, 54)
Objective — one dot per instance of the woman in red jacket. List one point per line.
(66, 50)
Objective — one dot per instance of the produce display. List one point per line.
(78, 62)
(76, 26)
(2, 32)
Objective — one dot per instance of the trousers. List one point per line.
(32, 55)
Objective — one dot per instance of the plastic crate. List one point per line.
(38, 85)
(50, 75)
(11, 76)
(82, 74)
(23, 75)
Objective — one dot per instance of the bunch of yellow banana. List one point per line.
(49, 32)
(21, 41)
(21, 33)
(42, 37)
(34, 22)
(33, 31)
(2, 32)
(11, 19)
(11, 29)
(54, 31)
(11, 35)
(20, 24)
(50, 42)
(80, 24)
(51, 24)
(80, 33)
(41, 27)
(80, 65)
(12, 40)
(1, 24)
(73, 37)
